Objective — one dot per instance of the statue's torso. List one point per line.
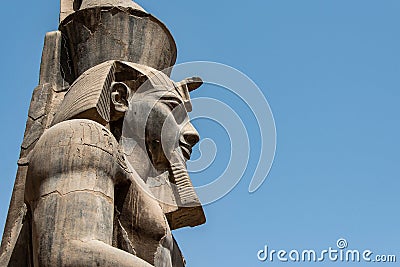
(80, 161)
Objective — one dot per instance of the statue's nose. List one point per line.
(190, 135)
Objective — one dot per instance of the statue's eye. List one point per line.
(171, 102)
(177, 108)
(178, 111)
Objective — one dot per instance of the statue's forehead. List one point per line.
(167, 85)
(157, 83)
(155, 89)
(161, 93)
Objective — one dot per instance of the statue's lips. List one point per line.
(186, 150)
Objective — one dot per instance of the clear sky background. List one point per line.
(330, 71)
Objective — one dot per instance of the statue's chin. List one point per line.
(179, 155)
(176, 167)
(167, 180)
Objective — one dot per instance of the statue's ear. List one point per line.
(120, 93)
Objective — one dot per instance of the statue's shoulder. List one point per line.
(80, 132)
(77, 144)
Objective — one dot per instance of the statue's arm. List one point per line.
(70, 192)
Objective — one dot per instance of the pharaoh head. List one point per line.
(148, 114)
(156, 120)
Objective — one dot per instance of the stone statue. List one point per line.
(102, 177)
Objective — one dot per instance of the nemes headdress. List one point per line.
(89, 97)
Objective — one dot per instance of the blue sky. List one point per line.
(330, 71)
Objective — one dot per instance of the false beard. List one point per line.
(179, 177)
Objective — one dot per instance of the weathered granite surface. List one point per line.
(102, 177)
